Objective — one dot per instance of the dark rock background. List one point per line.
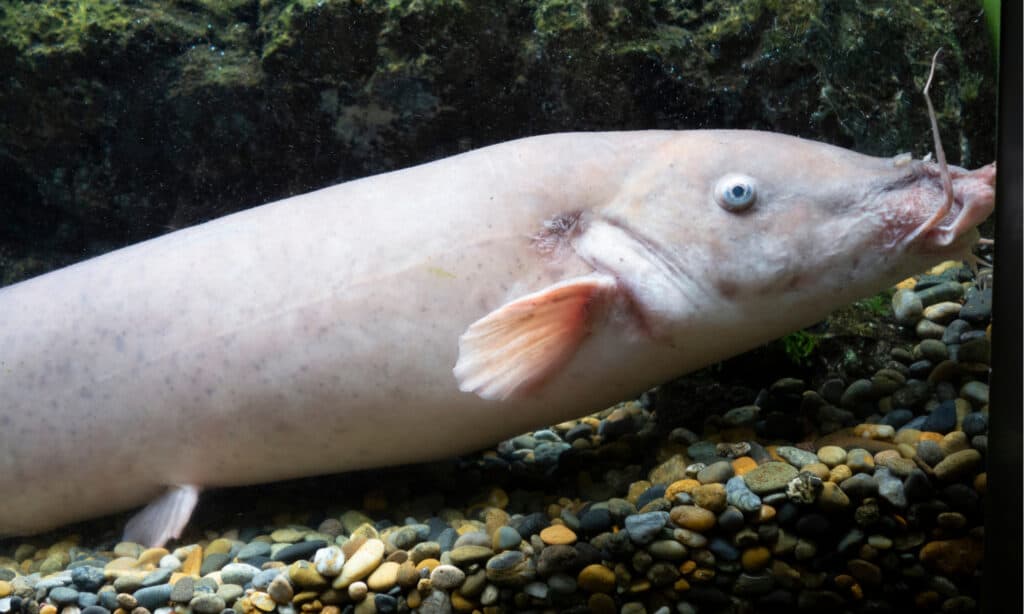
(120, 121)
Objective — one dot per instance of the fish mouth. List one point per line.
(973, 200)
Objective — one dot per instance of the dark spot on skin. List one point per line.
(119, 343)
(5, 420)
(726, 288)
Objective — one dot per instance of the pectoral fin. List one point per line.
(164, 518)
(514, 349)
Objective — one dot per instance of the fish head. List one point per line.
(757, 222)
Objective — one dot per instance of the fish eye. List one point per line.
(735, 192)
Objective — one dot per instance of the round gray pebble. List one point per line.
(447, 577)
(207, 604)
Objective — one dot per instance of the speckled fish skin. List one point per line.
(318, 334)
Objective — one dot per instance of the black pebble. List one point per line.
(385, 603)
(299, 551)
(654, 492)
(813, 525)
(530, 524)
(942, 419)
(978, 306)
(596, 520)
(898, 417)
(975, 423)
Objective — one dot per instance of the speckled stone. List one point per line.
(153, 597)
(860, 460)
(710, 496)
(737, 494)
(303, 574)
(717, 472)
(954, 557)
(511, 568)
(693, 518)
(797, 457)
(769, 477)
(804, 488)
(890, 488)
(213, 562)
(280, 589)
(447, 577)
(206, 603)
(238, 573)
(183, 590)
(832, 455)
(958, 465)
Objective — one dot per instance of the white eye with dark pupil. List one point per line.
(735, 192)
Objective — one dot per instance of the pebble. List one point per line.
(153, 597)
(596, 579)
(738, 513)
(958, 465)
(831, 455)
(87, 578)
(62, 595)
(280, 590)
(737, 494)
(717, 472)
(447, 577)
(907, 307)
(300, 550)
(555, 534)
(385, 577)
(711, 497)
(942, 419)
(643, 528)
(797, 457)
(943, 312)
(890, 488)
(769, 477)
(946, 291)
(207, 604)
(182, 590)
(926, 329)
(505, 538)
(466, 555)
(693, 518)
(977, 307)
(361, 563)
(239, 573)
(510, 568)
(253, 550)
(975, 392)
(860, 460)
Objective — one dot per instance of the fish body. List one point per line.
(434, 310)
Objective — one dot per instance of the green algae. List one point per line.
(63, 26)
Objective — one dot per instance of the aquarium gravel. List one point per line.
(877, 509)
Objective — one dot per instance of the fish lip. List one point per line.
(973, 202)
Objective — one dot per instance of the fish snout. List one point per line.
(974, 199)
